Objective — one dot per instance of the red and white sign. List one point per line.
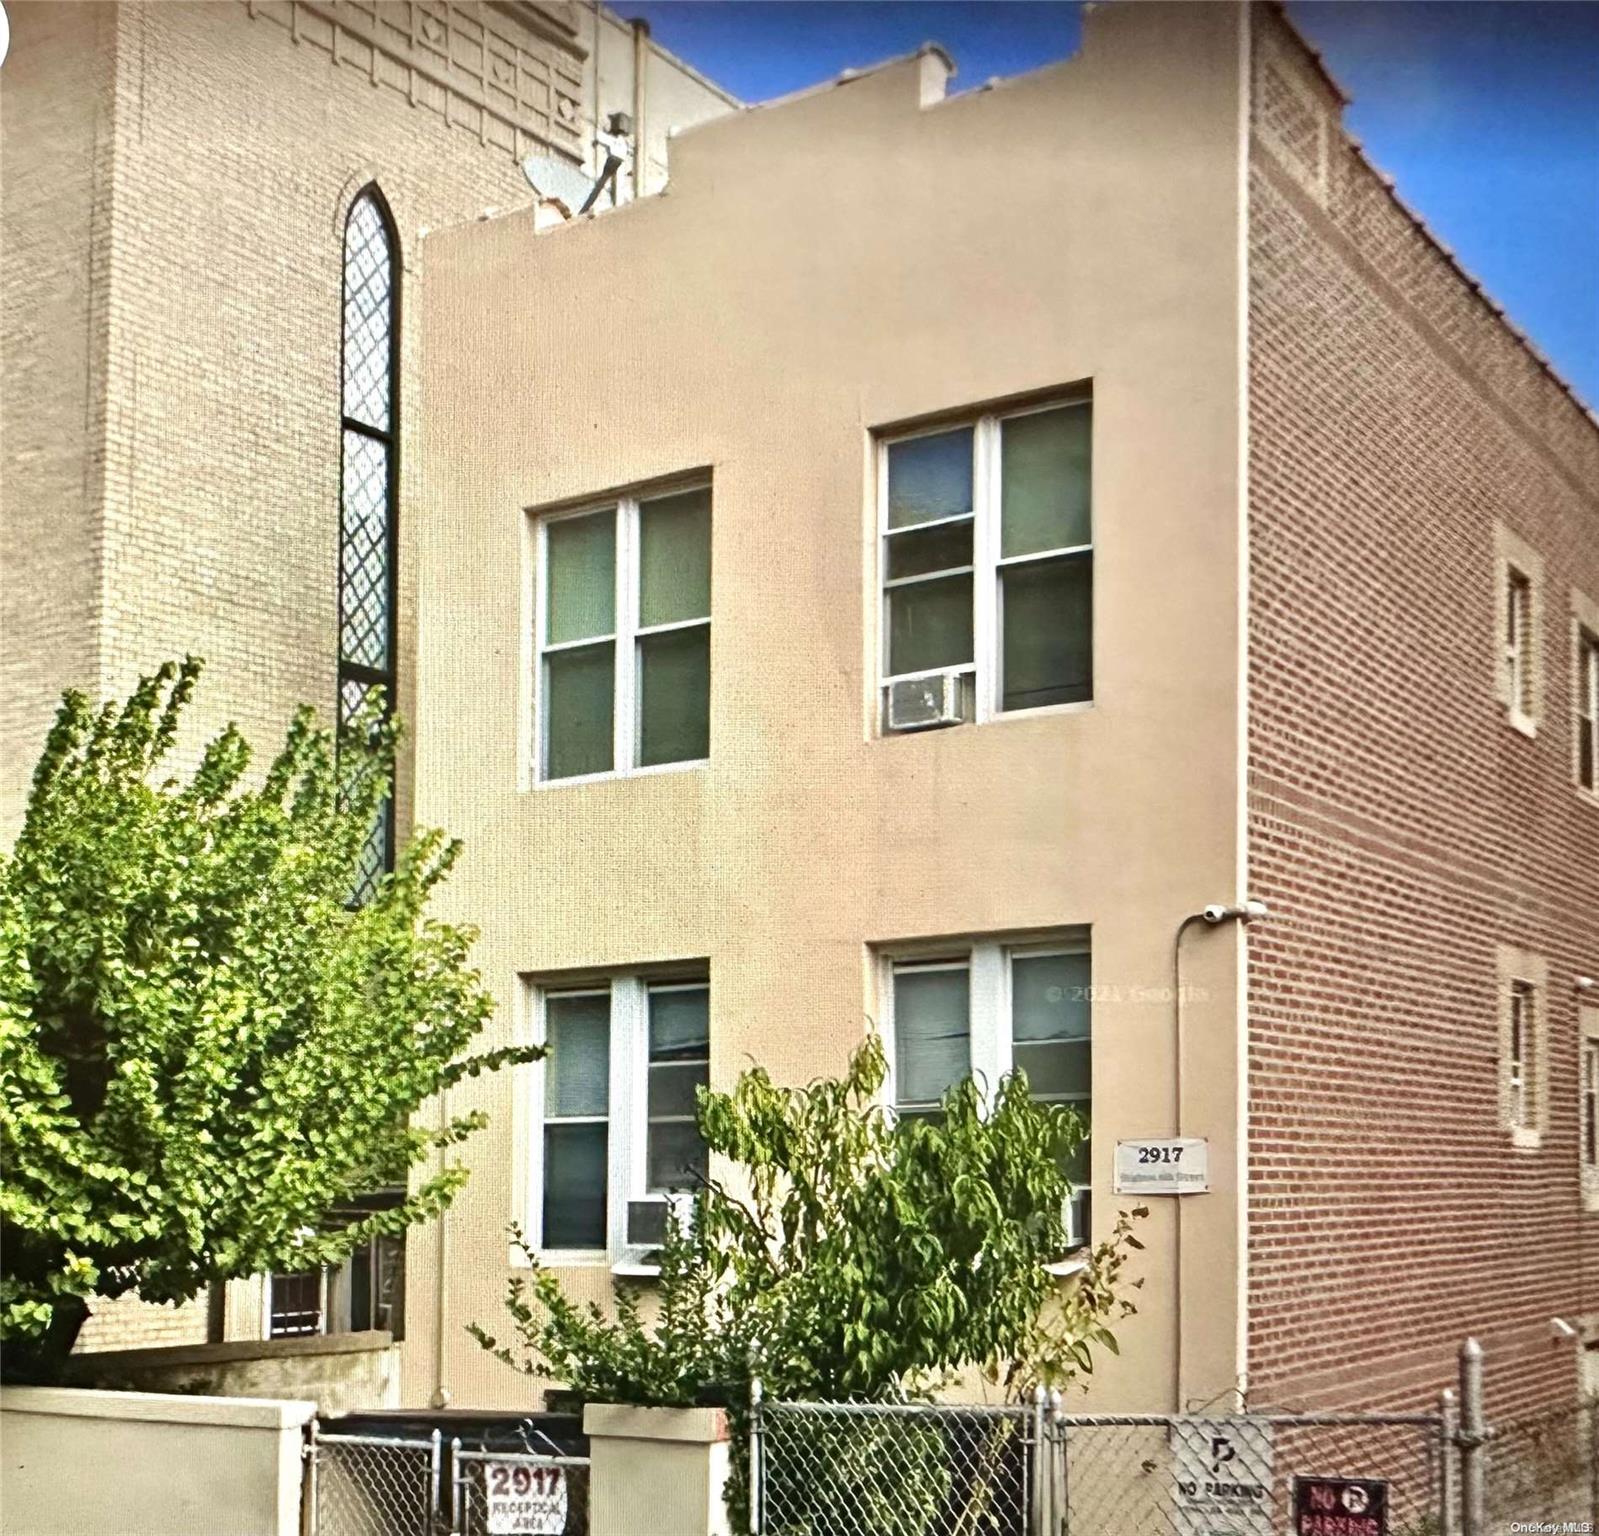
(525, 1499)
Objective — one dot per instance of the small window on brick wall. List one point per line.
(1588, 710)
(1518, 606)
(1588, 1106)
(1523, 1047)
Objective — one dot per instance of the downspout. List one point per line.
(441, 1393)
(641, 68)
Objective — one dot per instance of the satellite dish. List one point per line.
(5, 32)
(562, 183)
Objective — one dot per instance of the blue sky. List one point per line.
(1485, 113)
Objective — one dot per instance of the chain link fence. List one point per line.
(849, 1469)
(366, 1485)
(1543, 1468)
(831, 1469)
(371, 1485)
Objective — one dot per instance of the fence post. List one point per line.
(1448, 1482)
(1473, 1440)
(457, 1513)
(1035, 1482)
(1058, 1469)
(756, 1471)
(308, 1522)
(435, 1509)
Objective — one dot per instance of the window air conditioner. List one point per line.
(920, 703)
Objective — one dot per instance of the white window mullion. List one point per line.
(533, 1216)
(884, 971)
(991, 1052)
(985, 558)
(625, 1106)
(541, 609)
(625, 744)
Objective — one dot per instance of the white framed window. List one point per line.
(615, 1101)
(986, 566)
(1588, 1105)
(1587, 711)
(1518, 642)
(1523, 1057)
(1518, 610)
(622, 629)
(1520, 1063)
(983, 1008)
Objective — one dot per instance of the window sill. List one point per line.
(1523, 1138)
(653, 771)
(1042, 711)
(1588, 796)
(1525, 724)
(561, 1258)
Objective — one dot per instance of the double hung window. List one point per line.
(624, 1059)
(985, 1009)
(987, 559)
(624, 636)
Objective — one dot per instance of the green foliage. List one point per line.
(847, 1257)
(205, 1053)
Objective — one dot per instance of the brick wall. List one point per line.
(176, 178)
(1400, 828)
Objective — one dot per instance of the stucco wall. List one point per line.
(79, 1463)
(860, 256)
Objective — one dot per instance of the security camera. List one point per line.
(1216, 912)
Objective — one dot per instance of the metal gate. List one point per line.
(381, 1485)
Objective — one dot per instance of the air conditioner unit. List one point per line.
(646, 1219)
(920, 703)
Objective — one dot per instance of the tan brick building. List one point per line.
(862, 585)
(178, 179)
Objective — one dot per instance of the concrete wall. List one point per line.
(341, 1373)
(1402, 827)
(862, 255)
(672, 1462)
(78, 1463)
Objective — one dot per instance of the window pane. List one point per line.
(1049, 997)
(675, 558)
(679, 1023)
(932, 1033)
(1044, 496)
(574, 1186)
(577, 1071)
(1057, 1069)
(676, 1158)
(930, 625)
(364, 553)
(929, 477)
(920, 550)
(368, 314)
(672, 1087)
(579, 689)
(675, 696)
(1048, 632)
(581, 591)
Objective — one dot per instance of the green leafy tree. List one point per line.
(206, 1052)
(849, 1256)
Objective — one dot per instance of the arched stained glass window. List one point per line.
(367, 545)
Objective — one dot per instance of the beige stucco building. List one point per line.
(898, 574)
(816, 294)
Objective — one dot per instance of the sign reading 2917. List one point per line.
(525, 1498)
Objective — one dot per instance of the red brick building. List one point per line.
(1430, 841)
